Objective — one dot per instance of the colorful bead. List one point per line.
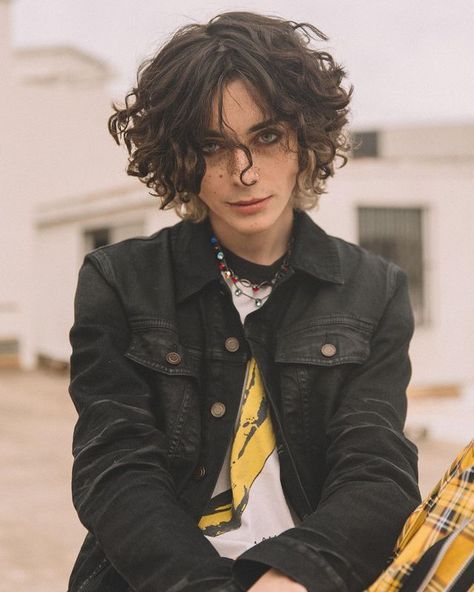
(229, 274)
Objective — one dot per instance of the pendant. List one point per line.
(258, 302)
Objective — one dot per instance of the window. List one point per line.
(397, 235)
(9, 353)
(365, 144)
(98, 237)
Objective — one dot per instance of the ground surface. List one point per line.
(39, 532)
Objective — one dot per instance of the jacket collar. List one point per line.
(314, 252)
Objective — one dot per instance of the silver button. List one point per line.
(217, 409)
(232, 344)
(328, 350)
(173, 358)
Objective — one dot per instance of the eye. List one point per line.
(210, 147)
(269, 137)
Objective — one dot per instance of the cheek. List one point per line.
(285, 169)
(284, 164)
(211, 187)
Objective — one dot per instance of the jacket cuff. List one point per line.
(295, 559)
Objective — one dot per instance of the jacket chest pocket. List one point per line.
(172, 371)
(313, 359)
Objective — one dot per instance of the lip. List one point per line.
(250, 205)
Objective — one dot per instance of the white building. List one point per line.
(408, 194)
(55, 146)
(413, 197)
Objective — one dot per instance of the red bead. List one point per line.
(255, 288)
(235, 279)
(221, 266)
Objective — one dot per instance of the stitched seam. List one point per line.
(160, 367)
(93, 574)
(139, 325)
(179, 423)
(363, 325)
(320, 361)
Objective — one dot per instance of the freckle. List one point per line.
(220, 176)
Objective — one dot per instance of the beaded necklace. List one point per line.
(242, 284)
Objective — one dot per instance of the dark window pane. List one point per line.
(96, 238)
(8, 347)
(366, 144)
(396, 234)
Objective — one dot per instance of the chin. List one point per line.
(254, 227)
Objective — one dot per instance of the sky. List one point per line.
(410, 61)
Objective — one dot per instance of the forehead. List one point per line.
(242, 107)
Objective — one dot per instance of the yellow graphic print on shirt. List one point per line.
(254, 441)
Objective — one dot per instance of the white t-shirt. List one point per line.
(248, 504)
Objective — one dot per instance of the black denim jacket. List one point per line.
(151, 354)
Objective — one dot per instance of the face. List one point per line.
(260, 201)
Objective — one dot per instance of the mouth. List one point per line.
(249, 204)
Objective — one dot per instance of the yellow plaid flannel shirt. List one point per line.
(435, 550)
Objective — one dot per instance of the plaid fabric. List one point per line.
(435, 550)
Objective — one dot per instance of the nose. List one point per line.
(242, 172)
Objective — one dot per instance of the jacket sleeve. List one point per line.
(122, 490)
(371, 486)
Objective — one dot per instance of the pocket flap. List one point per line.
(327, 341)
(159, 349)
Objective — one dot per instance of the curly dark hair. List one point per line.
(164, 118)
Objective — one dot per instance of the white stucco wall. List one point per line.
(55, 145)
(442, 347)
(56, 253)
(60, 250)
(5, 53)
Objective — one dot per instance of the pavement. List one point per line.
(40, 534)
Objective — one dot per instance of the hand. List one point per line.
(274, 581)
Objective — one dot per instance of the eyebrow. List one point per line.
(254, 128)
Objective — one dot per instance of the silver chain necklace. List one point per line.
(235, 280)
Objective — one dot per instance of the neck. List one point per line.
(263, 247)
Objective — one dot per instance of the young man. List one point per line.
(240, 377)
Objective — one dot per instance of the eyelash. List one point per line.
(266, 132)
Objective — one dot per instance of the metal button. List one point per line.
(173, 358)
(199, 472)
(217, 409)
(232, 344)
(328, 350)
